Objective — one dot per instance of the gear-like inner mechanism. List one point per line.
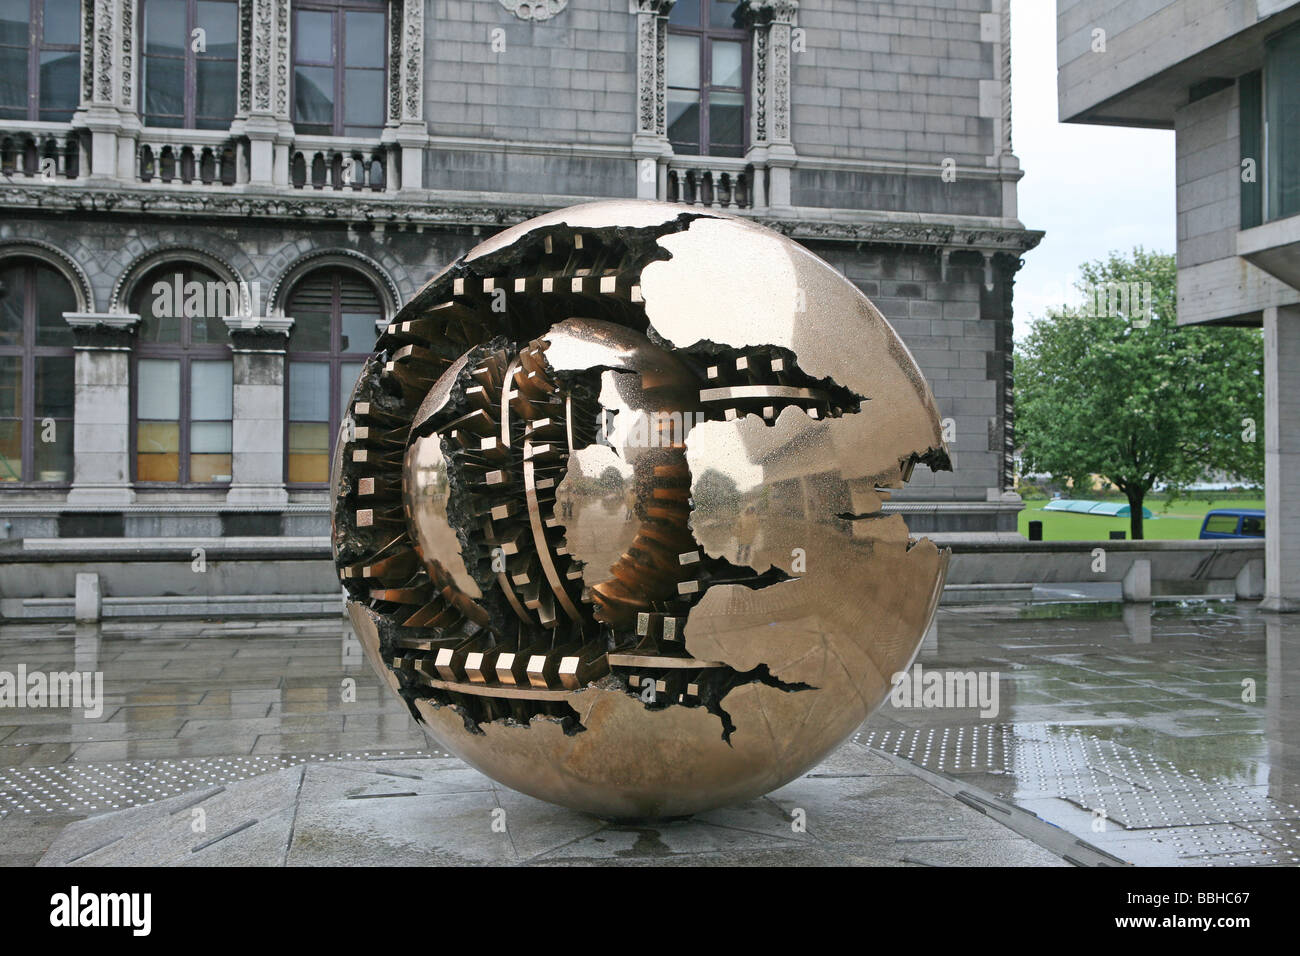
(541, 491)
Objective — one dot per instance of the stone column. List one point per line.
(1282, 458)
(264, 90)
(771, 148)
(109, 74)
(405, 131)
(650, 146)
(257, 426)
(101, 471)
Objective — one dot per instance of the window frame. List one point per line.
(186, 352)
(707, 35)
(190, 117)
(1250, 117)
(335, 358)
(36, 45)
(338, 10)
(1273, 208)
(28, 352)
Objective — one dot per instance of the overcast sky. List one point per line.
(1090, 188)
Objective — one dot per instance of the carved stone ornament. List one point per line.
(535, 9)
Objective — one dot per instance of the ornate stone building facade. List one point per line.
(209, 207)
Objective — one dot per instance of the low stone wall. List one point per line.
(218, 577)
(57, 579)
(1136, 570)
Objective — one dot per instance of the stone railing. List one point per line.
(714, 181)
(49, 151)
(190, 157)
(328, 162)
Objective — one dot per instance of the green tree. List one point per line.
(1127, 394)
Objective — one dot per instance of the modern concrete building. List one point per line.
(210, 206)
(1225, 76)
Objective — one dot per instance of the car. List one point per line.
(1233, 523)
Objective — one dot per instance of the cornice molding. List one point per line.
(379, 209)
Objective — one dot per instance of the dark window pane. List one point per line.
(218, 20)
(726, 123)
(164, 89)
(363, 39)
(310, 333)
(684, 62)
(164, 27)
(686, 13)
(62, 22)
(11, 386)
(11, 446)
(220, 298)
(54, 296)
(54, 387)
(1282, 123)
(159, 329)
(348, 374)
(684, 119)
(159, 301)
(60, 82)
(173, 293)
(313, 32)
(359, 332)
(1251, 136)
(313, 95)
(13, 304)
(13, 80)
(216, 90)
(15, 22)
(727, 64)
(722, 13)
(363, 98)
(209, 328)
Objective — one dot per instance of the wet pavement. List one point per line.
(1164, 735)
(1160, 735)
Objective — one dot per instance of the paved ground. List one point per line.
(1129, 730)
(1166, 737)
(856, 809)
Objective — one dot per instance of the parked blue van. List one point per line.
(1233, 523)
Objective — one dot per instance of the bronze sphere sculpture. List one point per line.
(607, 508)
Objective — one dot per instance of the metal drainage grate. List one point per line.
(1207, 821)
(79, 788)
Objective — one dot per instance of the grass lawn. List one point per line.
(1178, 521)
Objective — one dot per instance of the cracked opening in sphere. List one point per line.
(547, 493)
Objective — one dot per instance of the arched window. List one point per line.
(40, 59)
(190, 63)
(36, 372)
(335, 314)
(708, 74)
(183, 376)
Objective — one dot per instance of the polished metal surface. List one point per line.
(608, 508)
